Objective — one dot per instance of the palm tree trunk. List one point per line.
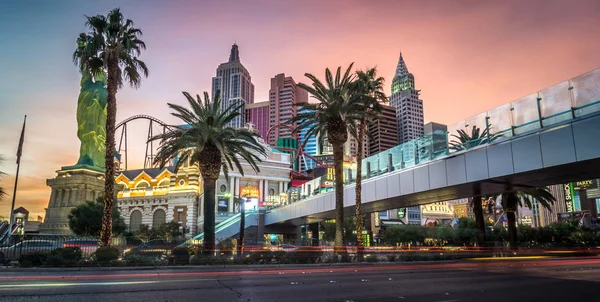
(512, 229)
(338, 159)
(358, 189)
(479, 222)
(209, 216)
(240, 246)
(109, 176)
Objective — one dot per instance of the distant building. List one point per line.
(435, 138)
(257, 114)
(436, 213)
(383, 132)
(409, 108)
(234, 82)
(284, 97)
(432, 127)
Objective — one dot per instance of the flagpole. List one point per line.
(19, 152)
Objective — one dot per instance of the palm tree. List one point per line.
(464, 141)
(368, 88)
(511, 201)
(336, 113)
(212, 145)
(113, 46)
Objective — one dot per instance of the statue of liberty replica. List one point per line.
(84, 181)
(91, 116)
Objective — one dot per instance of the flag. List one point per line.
(20, 149)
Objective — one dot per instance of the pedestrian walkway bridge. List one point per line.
(548, 137)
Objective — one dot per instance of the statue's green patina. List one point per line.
(91, 117)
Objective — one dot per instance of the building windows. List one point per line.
(135, 220)
(159, 218)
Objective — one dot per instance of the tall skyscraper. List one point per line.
(258, 115)
(284, 96)
(409, 108)
(383, 131)
(234, 82)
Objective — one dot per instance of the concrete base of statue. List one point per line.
(71, 187)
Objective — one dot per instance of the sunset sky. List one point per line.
(467, 57)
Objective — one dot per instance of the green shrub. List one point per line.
(64, 257)
(392, 257)
(209, 260)
(303, 255)
(371, 258)
(140, 260)
(225, 246)
(106, 254)
(33, 259)
(180, 255)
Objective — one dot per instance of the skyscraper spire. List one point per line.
(401, 69)
(235, 54)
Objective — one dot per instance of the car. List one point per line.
(88, 245)
(14, 252)
(285, 248)
(157, 248)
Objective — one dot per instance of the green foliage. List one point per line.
(464, 141)
(180, 255)
(349, 228)
(412, 234)
(106, 254)
(140, 260)
(166, 231)
(35, 259)
(64, 257)
(112, 43)
(169, 230)
(302, 255)
(86, 219)
(201, 259)
(226, 246)
(371, 258)
(212, 144)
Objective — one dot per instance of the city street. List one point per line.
(476, 280)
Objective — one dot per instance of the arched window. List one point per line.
(142, 184)
(135, 220)
(159, 218)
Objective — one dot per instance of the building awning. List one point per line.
(298, 182)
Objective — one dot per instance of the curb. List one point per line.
(200, 267)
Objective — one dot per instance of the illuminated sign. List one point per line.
(569, 197)
(583, 185)
(377, 219)
(526, 220)
(401, 212)
(250, 192)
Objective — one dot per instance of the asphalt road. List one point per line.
(490, 281)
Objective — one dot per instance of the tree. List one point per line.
(2, 191)
(145, 233)
(368, 89)
(208, 142)
(331, 118)
(511, 201)
(169, 230)
(464, 141)
(113, 46)
(86, 219)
